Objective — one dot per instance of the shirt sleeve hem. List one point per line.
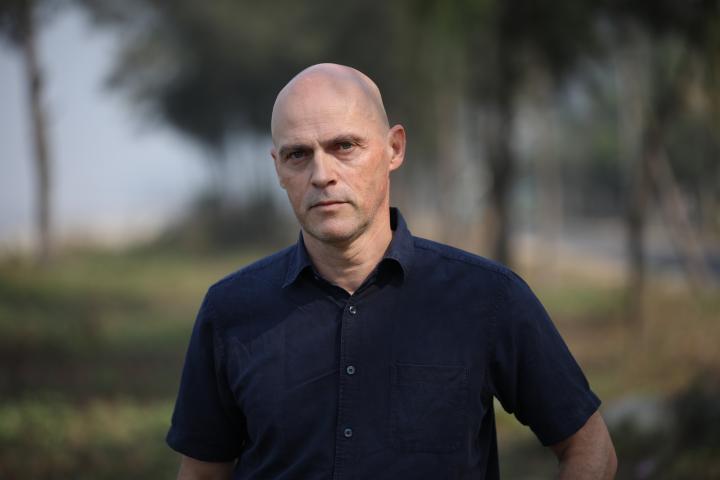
(193, 447)
(577, 421)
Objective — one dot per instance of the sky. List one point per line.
(115, 177)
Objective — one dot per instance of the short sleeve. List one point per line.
(532, 372)
(206, 423)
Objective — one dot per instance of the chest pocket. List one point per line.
(428, 407)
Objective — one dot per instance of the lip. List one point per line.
(327, 204)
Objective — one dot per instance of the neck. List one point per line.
(347, 265)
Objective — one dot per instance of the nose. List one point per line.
(323, 173)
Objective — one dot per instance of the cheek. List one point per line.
(375, 180)
(294, 190)
(372, 175)
(286, 179)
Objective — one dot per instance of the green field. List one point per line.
(91, 350)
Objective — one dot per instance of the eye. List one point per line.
(296, 155)
(345, 146)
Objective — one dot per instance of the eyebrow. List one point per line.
(343, 137)
(285, 149)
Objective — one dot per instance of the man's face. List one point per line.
(333, 157)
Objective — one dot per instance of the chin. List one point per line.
(333, 237)
(337, 232)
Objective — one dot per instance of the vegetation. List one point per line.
(18, 26)
(211, 70)
(91, 350)
(619, 100)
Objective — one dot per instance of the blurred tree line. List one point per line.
(621, 99)
(18, 26)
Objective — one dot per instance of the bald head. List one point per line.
(329, 83)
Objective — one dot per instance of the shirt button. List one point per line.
(348, 432)
(350, 370)
(352, 309)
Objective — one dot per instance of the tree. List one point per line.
(212, 69)
(521, 37)
(18, 20)
(679, 37)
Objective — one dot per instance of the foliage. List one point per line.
(686, 445)
(455, 73)
(90, 355)
(213, 68)
(100, 439)
(91, 350)
(214, 222)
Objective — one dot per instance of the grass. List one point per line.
(663, 355)
(91, 350)
(50, 438)
(90, 356)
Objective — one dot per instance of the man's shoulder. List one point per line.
(430, 253)
(261, 275)
(468, 272)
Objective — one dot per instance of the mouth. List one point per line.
(327, 204)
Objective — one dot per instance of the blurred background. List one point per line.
(577, 142)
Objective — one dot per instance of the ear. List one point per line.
(274, 155)
(396, 145)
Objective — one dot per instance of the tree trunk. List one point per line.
(447, 142)
(502, 168)
(635, 221)
(42, 160)
(682, 232)
(548, 174)
(631, 68)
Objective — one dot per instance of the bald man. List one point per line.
(363, 352)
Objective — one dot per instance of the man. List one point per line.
(363, 352)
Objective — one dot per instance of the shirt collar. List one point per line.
(400, 250)
(402, 245)
(299, 261)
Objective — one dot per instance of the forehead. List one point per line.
(316, 113)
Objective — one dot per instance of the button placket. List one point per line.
(347, 394)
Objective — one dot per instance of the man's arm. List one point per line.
(588, 454)
(191, 469)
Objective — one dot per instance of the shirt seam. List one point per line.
(219, 346)
(480, 262)
(256, 268)
(219, 350)
(501, 298)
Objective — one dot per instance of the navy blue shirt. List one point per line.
(297, 379)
